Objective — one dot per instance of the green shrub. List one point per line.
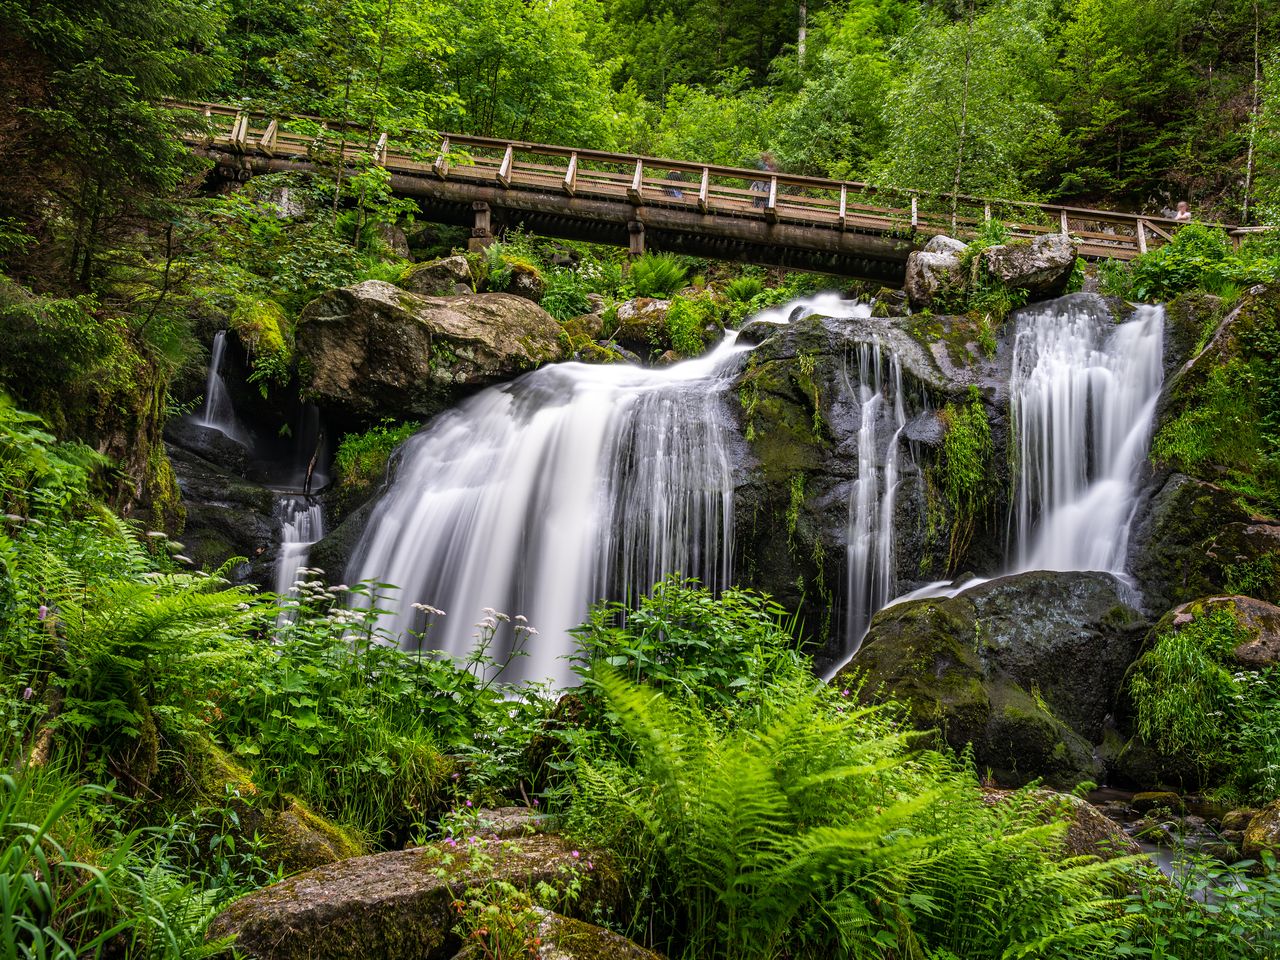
(1202, 258)
(565, 295)
(656, 275)
(963, 470)
(687, 320)
(361, 461)
(744, 289)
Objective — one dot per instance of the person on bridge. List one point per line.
(1183, 212)
(769, 165)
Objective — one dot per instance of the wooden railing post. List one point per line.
(704, 190)
(634, 192)
(504, 171)
(771, 204)
(240, 131)
(441, 165)
(571, 175)
(380, 151)
(1142, 236)
(915, 213)
(267, 144)
(1066, 230)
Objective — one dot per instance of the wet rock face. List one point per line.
(1026, 668)
(399, 905)
(1193, 539)
(372, 350)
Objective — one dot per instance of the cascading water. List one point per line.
(870, 576)
(217, 411)
(1083, 394)
(541, 496)
(301, 525)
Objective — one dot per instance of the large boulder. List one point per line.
(1026, 668)
(399, 905)
(933, 271)
(448, 277)
(373, 350)
(563, 938)
(1042, 267)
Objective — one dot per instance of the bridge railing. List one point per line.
(699, 189)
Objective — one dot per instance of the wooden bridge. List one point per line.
(730, 213)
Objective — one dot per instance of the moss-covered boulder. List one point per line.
(399, 905)
(563, 938)
(1195, 538)
(640, 325)
(1217, 416)
(448, 277)
(289, 833)
(1263, 832)
(1027, 669)
(1259, 621)
(373, 350)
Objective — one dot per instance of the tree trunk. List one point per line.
(1253, 115)
(964, 116)
(804, 32)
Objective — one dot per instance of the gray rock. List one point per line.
(399, 905)
(439, 278)
(393, 237)
(373, 350)
(944, 244)
(1041, 267)
(929, 275)
(1026, 668)
(1259, 619)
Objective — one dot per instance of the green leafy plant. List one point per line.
(656, 275)
(360, 462)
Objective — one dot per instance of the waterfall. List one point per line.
(539, 497)
(217, 411)
(1083, 395)
(301, 525)
(870, 569)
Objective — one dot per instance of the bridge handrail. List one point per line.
(1137, 222)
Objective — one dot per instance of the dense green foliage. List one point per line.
(360, 463)
(1193, 700)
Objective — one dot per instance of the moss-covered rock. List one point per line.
(291, 834)
(1090, 833)
(1195, 539)
(373, 351)
(563, 938)
(1027, 669)
(450, 276)
(1263, 832)
(399, 905)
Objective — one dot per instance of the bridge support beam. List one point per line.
(635, 230)
(482, 228)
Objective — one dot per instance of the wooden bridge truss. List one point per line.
(837, 226)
